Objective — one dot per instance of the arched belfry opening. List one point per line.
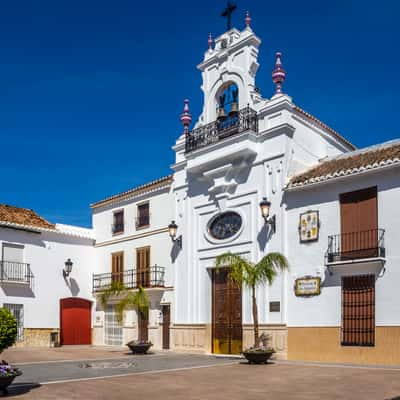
(227, 101)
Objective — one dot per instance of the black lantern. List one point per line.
(68, 268)
(173, 229)
(265, 207)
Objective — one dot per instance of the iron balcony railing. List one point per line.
(142, 221)
(245, 120)
(15, 272)
(152, 277)
(117, 228)
(356, 245)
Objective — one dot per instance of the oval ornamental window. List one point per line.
(225, 225)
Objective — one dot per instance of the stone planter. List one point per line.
(6, 381)
(258, 357)
(139, 348)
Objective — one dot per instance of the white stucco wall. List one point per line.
(308, 259)
(46, 253)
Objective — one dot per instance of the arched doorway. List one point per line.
(75, 321)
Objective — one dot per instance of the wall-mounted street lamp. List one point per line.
(68, 268)
(173, 229)
(265, 207)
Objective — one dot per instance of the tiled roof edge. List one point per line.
(319, 123)
(136, 190)
(343, 173)
(38, 229)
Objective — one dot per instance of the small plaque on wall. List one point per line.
(274, 306)
(307, 286)
(309, 226)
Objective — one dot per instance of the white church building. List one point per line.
(332, 212)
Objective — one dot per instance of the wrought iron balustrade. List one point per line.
(152, 277)
(15, 272)
(142, 221)
(356, 245)
(117, 228)
(245, 120)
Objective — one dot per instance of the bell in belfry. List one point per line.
(234, 109)
(221, 113)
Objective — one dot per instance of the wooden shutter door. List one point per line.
(117, 271)
(143, 266)
(227, 314)
(359, 224)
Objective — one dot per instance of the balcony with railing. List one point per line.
(153, 277)
(117, 228)
(142, 221)
(363, 245)
(15, 272)
(233, 124)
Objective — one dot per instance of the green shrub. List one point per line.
(8, 329)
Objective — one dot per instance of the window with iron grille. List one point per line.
(143, 215)
(358, 310)
(18, 311)
(118, 222)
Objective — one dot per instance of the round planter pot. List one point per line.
(5, 382)
(258, 357)
(139, 348)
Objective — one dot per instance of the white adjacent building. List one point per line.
(332, 212)
(33, 282)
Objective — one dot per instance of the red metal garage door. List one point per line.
(75, 321)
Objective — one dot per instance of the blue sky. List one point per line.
(91, 91)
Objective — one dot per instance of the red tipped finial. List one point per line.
(278, 74)
(210, 41)
(247, 20)
(186, 118)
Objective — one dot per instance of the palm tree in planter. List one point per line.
(129, 300)
(243, 272)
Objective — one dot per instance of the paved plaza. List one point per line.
(104, 373)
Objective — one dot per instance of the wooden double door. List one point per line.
(226, 314)
(75, 316)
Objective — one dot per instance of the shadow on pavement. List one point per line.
(18, 389)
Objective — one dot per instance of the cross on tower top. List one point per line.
(230, 8)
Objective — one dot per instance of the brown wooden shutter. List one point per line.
(117, 271)
(359, 224)
(358, 310)
(143, 266)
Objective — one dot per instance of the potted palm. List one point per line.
(243, 272)
(8, 336)
(128, 299)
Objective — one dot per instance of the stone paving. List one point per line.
(182, 376)
(41, 354)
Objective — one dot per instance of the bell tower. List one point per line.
(228, 71)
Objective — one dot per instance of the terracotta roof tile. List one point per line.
(23, 216)
(166, 180)
(349, 163)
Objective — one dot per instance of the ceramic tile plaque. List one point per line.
(309, 226)
(308, 286)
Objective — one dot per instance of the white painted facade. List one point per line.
(155, 236)
(235, 174)
(46, 251)
(308, 259)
